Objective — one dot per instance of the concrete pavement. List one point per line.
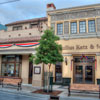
(13, 96)
(26, 94)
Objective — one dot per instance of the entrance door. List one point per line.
(89, 74)
(78, 74)
(84, 73)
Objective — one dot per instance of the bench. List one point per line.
(84, 88)
(13, 82)
(1, 81)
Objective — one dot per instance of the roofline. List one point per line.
(27, 21)
(75, 8)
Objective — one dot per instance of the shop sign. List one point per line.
(81, 47)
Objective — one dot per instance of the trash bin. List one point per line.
(66, 81)
(51, 84)
(98, 81)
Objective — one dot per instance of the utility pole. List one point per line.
(11, 1)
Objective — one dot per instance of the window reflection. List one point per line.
(11, 65)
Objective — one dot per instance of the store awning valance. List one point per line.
(6, 46)
(27, 44)
(20, 45)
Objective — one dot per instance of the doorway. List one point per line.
(84, 72)
(30, 73)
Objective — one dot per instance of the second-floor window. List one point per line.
(33, 25)
(59, 29)
(73, 27)
(17, 28)
(91, 26)
(82, 26)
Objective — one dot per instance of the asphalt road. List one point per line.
(12, 96)
(18, 96)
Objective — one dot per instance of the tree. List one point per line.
(49, 52)
(31, 58)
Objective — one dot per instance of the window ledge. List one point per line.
(77, 36)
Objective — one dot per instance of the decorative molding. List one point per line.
(18, 51)
(78, 36)
(67, 54)
(97, 54)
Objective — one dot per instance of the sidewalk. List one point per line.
(74, 96)
(28, 89)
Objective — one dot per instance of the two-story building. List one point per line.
(17, 43)
(79, 32)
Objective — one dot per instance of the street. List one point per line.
(12, 96)
(18, 96)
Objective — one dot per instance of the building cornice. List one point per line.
(78, 8)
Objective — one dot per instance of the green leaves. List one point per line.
(31, 58)
(49, 52)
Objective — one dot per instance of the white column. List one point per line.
(25, 69)
(97, 70)
(0, 63)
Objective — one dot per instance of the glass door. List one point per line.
(84, 74)
(88, 74)
(78, 75)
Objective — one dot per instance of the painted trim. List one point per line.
(67, 54)
(75, 8)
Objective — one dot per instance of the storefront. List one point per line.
(79, 31)
(14, 63)
(81, 60)
(84, 69)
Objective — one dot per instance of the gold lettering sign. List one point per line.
(79, 71)
(88, 71)
(81, 47)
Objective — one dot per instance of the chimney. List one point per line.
(50, 7)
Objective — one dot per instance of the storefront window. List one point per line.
(4, 59)
(10, 58)
(11, 65)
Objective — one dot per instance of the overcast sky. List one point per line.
(28, 9)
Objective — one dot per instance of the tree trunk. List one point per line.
(49, 79)
(43, 76)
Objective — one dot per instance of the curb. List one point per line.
(77, 98)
